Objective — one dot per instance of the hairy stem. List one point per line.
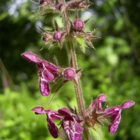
(66, 21)
(73, 60)
(78, 90)
(77, 85)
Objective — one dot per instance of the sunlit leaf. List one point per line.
(90, 45)
(55, 87)
(81, 42)
(96, 133)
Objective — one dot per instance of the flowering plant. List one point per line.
(78, 120)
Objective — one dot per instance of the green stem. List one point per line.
(78, 90)
(77, 85)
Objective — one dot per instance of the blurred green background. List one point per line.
(113, 68)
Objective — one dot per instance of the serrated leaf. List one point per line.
(90, 44)
(81, 42)
(43, 11)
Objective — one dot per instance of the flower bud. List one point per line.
(57, 36)
(45, 39)
(42, 2)
(58, 6)
(69, 74)
(78, 24)
(81, 4)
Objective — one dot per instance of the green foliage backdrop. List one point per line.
(113, 68)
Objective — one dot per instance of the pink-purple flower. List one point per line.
(115, 115)
(96, 113)
(69, 122)
(46, 72)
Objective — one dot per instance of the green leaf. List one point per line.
(81, 42)
(90, 44)
(96, 133)
(57, 85)
(3, 16)
(55, 88)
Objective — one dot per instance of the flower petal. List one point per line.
(78, 127)
(44, 87)
(47, 75)
(39, 110)
(49, 66)
(51, 126)
(115, 120)
(67, 129)
(71, 126)
(113, 110)
(64, 112)
(101, 98)
(72, 129)
(127, 104)
(77, 136)
(31, 57)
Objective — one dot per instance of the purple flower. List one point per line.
(69, 122)
(50, 116)
(97, 103)
(95, 113)
(115, 115)
(46, 72)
